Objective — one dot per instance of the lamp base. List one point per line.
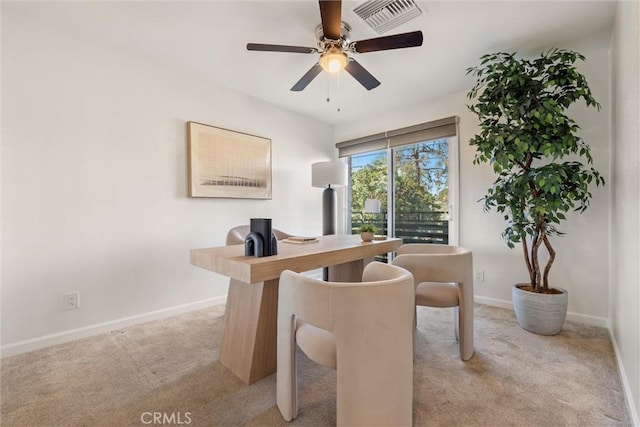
(329, 211)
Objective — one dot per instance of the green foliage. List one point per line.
(526, 136)
(368, 228)
(420, 182)
(369, 182)
(421, 175)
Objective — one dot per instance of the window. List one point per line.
(413, 172)
(421, 192)
(368, 174)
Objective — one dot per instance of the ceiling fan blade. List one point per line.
(331, 16)
(306, 79)
(280, 48)
(396, 41)
(359, 73)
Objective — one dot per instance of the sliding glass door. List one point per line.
(421, 192)
(416, 186)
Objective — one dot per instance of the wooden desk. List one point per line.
(250, 321)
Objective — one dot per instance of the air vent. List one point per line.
(383, 15)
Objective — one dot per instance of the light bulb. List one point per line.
(334, 65)
(333, 60)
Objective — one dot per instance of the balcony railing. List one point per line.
(412, 227)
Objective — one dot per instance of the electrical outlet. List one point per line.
(72, 300)
(479, 275)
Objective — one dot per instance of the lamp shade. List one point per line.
(372, 206)
(324, 174)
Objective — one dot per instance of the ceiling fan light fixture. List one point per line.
(333, 61)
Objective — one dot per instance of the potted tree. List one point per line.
(539, 159)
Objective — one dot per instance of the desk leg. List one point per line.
(250, 335)
(349, 271)
(250, 330)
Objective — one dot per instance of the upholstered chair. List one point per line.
(443, 277)
(362, 329)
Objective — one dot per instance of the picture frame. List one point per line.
(227, 164)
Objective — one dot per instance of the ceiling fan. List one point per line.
(334, 43)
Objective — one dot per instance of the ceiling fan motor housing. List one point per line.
(342, 43)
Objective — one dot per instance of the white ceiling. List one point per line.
(208, 39)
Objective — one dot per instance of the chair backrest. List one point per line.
(237, 234)
(317, 301)
(436, 263)
(372, 322)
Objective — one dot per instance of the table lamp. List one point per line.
(372, 206)
(328, 175)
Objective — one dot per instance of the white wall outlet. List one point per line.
(72, 300)
(479, 275)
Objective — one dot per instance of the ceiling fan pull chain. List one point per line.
(328, 89)
(338, 92)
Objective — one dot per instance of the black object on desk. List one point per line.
(260, 241)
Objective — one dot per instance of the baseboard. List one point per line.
(628, 396)
(493, 302)
(101, 328)
(572, 317)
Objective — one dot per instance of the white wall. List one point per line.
(581, 264)
(94, 180)
(94, 186)
(625, 209)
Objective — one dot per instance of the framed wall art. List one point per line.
(225, 163)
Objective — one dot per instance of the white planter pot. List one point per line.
(542, 314)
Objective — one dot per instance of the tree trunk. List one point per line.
(536, 262)
(525, 249)
(552, 257)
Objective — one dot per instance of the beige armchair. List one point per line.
(365, 330)
(443, 277)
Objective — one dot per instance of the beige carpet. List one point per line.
(169, 366)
